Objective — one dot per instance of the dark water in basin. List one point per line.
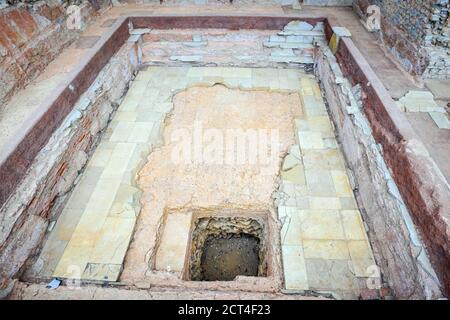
(225, 258)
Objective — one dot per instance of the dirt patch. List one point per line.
(223, 248)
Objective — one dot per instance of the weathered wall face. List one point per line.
(25, 216)
(31, 36)
(409, 28)
(397, 247)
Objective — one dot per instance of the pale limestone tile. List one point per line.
(291, 229)
(362, 257)
(327, 159)
(244, 83)
(324, 203)
(302, 202)
(295, 151)
(139, 156)
(440, 119)
(281, 212)
(179, 83)
(149, 116)
(306, 86)
(261, 78)
(288, 83)
(172, 251)
(295, 276)
(295, 175)
(123, 150)
(102, 272)
(314, 107)
(214, 72)
(319, 183)
(134, 95)
(163, 107)
(127, 116)
(291, 201)
(321, 124)
(330, 143)
(199, 81)
(287, 187)
(321, 225)
(66, 224)
(196, 72)
(49, 257)
(72, 263)
(113, 240)
(348, 203)
(317, 91)
(301, 190)
(330, 275)
(146, 105)
(139, 84)
(100, 157)
(237, 73)
(149, 96)
(126, 203)
(326, 249)
(140, 132)
(301, 124)
(144, 76)
(115, 168)
(274, 82)
(155, 137)
(82, 192)
(310, 140)
(129, 103)
(259, 83)
(87, 229)
(292, 74)
(103, 195)
(290, 162)
(341, 183)
(353, 225)
(121, 132)
(164, 95)
(129, 177)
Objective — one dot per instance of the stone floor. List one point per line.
(323, 240)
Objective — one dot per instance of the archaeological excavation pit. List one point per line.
(223, 248)
(215, 154)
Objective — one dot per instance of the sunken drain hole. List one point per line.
(225, 247)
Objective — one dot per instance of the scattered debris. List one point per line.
(54, 284)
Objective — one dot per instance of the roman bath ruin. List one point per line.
(207, 149)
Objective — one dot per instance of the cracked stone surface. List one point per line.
(208, 183)
(163, 161)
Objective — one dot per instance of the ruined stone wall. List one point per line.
(31, 36)
(398, 249)
(415, 32)
(24, 218)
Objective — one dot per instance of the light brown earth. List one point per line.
(171, 187)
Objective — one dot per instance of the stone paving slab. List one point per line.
(322, 227)
(325, 245)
